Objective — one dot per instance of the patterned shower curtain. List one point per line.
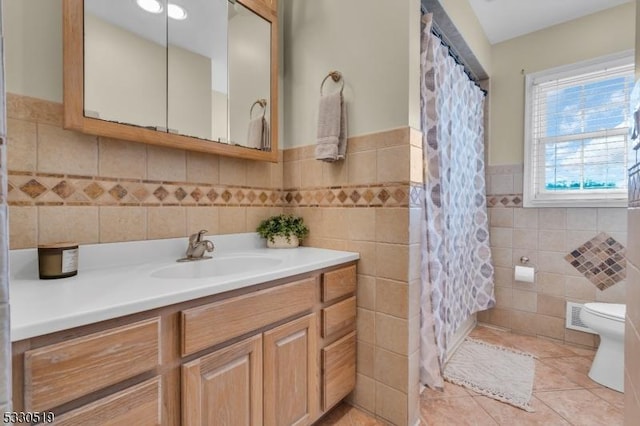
(457, 273)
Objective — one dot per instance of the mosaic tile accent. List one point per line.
(601, 260)
(33, 188)
(511, 200)
(39, 189)
(634, 186)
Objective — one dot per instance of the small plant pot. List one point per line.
(281, 242)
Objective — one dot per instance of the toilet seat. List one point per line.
(611, 311)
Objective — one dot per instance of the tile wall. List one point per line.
(368, 204)
(64, 185)
(67, 185)
(546, 236)
(632, 330)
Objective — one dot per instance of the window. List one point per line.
(577, 141)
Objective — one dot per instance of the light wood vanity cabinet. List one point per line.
(224, 387)
(275, 354)
(339, 376)
(290, 373)
(338, 283)
(240, 315)
(338, 331)
(138, 405)
(62, 372)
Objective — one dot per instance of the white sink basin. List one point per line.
(218, 266)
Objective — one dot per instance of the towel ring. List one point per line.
(336, 76)
(262, 103)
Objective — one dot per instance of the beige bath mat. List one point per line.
(494, 371)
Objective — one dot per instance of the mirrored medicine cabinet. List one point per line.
(188, 74)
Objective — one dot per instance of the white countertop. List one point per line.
(119, 279)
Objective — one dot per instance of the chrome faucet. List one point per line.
(197, 247)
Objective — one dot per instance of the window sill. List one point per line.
(575, 203)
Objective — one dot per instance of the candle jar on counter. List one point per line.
(58, 260)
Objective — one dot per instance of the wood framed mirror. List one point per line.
(166, 114)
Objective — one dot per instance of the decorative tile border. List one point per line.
(26, 189)
(382, 195)
(601, 260)
(42, 189)
(511, 200)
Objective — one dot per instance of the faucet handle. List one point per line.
(197, 237)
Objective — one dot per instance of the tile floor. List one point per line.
(562, 393)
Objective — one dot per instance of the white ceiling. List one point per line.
(506, 19)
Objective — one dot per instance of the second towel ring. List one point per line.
(262, 103)
(336, 76)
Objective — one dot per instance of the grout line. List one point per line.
(603, 399)
(554, 411)
(496, 420)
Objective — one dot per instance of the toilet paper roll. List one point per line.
(524, 274)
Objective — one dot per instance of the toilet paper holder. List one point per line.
(526, 265)
(524, 260)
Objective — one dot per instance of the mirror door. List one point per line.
(249, 73)
(125, 56)
(197, 71)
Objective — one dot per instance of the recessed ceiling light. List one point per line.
(176, 12)
(152, 6)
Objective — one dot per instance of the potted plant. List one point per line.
(283, 231)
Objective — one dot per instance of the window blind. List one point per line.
(578, 147)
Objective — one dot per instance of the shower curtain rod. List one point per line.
(436, 32)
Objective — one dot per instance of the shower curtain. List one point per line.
(457, 273)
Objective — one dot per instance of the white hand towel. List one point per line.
(266, 136)
(332, 130)
(258, 136)
(255, 135)
(342, 139)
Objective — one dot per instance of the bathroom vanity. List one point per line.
(153, 343)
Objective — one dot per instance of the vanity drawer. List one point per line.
(139, 405)
(208, 325)
(338, 370)
(339, 317)
(65, 371)
(338, 283)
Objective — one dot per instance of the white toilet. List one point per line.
(607, 319)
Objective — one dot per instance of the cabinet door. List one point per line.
(291, 373)
(225, 387)
(338, 370)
